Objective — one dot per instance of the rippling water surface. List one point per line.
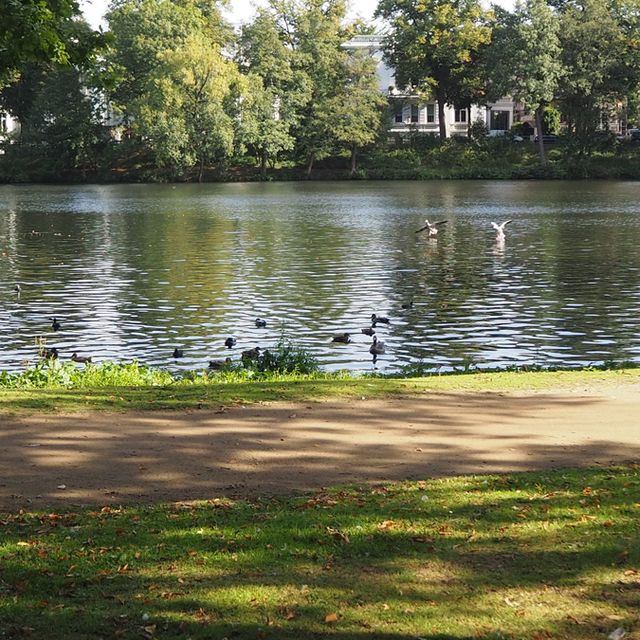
(134, 271)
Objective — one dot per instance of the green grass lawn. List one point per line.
(293, 388)
(528, 556)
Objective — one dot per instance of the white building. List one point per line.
(411, 114)
(8, 126)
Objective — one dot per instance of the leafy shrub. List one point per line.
(54, 373)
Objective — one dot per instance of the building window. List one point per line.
(3, 122)
(500, 120)
(460, 115)
(431, 112)
(399, 116)
(415, 113)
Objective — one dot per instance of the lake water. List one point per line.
(134, 271)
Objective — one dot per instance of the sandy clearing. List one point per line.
(282, 448)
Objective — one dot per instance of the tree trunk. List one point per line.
(263, 164)
(469, 121)
(543, 158)
(312, 157)
(201, 170)
(442, 122)
(354, 160)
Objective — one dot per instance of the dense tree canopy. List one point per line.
(524, 59)
(191, 95)
(33, 30)
(433, 44)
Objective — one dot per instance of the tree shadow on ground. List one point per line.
(547, 555)
(160, 456)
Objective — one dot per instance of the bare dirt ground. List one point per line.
(146, 457)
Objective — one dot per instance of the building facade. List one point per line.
(411, 114)
(8, 126)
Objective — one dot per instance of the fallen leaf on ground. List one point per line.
(338, 535)
(331, 617)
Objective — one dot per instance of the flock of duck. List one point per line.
(376, 348)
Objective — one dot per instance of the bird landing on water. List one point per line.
(432, 227)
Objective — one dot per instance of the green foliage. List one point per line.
(183, 112)
(478, 131)
(61, 133)
(54, 373)
(36, 31)
(285, 358)
(551, 118)
(432, 46)
(319, 57)
(355, 111)
(600, 53)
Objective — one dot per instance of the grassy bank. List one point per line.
(536, 556)
(73, 388)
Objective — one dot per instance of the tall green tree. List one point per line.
(173, 81)
(433, 45)
(601, 65)
(184, 114)
(61, 135)
(260, 127)
(524, 59)
(317, 39)
(142, 31)
(83, 45)
(355, 111)
(274, 90)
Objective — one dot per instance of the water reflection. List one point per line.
(137, 271)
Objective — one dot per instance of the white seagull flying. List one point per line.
(432, 227)
(500, 228)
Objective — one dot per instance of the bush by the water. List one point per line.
(285, 359)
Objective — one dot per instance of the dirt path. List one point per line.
(276, 448)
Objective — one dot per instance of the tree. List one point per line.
(433, 45)
(524, 59)
(142, 30)
(172, 81)
(35, 31)
(601, 59)
(184, 113)
(317, 41)
(61, 133)
(259, 124)
(274, 91)
(83, 45)
(355, 112)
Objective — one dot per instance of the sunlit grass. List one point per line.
(228, 388)
(538, 555)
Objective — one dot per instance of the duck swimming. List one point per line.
(432, 227)
(368, 331)
(178, 353)
(378, 319)
(49, 354)
(260, 323)
(55, 325)
(377, 348)
(83, 359)
(230, 342)
(251, 354)
(216, 365)
(345, 338)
